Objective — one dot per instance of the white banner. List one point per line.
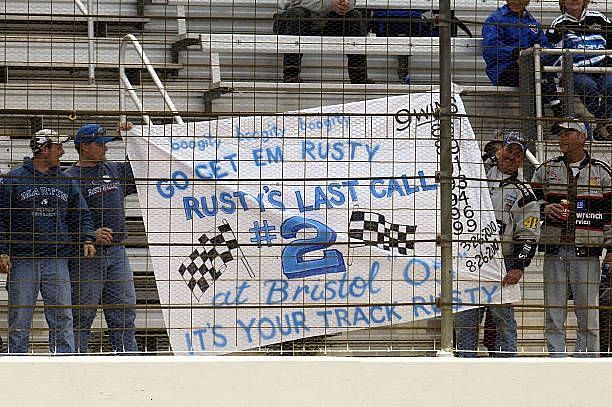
(272, 228)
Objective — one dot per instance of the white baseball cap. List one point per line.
(578, 126)
(46, 136)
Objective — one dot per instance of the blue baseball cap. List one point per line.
(515, 137)
(92, 133)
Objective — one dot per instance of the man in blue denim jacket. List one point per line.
(107, 278)
(44, 215)
(507, 32)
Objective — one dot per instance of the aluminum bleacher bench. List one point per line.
(216, 44)
(424, 47)
(108, 10)
(259, 9)
(71, 52)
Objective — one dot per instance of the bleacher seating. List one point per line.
(45, 75)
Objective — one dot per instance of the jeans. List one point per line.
(605, 319)
(104, 279)
(50, 277)
(590, 88)
(301, 21)
(582, 274)
(466, 331)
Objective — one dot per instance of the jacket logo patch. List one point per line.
(594, 181)
(534, 28)
(509, 201)
(553, 176)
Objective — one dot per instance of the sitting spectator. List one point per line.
(506, 33)
(322, 17)
(586, 29)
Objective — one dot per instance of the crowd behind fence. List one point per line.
(84, 239)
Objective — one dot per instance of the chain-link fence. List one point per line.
(285, 199)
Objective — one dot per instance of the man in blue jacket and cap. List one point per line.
(506, 34)
(107, 278)
(45, 219)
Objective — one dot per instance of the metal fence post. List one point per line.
(445, 178)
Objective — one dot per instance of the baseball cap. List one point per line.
(514, 137)
(92, 133)
(46, 136)
(578, 126)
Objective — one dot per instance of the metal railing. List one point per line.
(89, 12)
(539, 68)
(126, 85)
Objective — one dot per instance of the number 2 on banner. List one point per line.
(294, 265)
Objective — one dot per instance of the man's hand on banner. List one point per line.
(124, 126)
(89, 250)
(104, 236)
(512, 277)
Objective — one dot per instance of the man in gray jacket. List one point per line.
(322, 17)
(518, 225)
(575, 194)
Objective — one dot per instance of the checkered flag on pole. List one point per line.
(199, 269)
(371, 229)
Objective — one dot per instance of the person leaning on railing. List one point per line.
(506, 33)
(107, 278)
(43, 213)
(579, 28)
(321, 17)
(575, 196)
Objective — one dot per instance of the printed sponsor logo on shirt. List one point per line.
(534, 28)
(553, 176)
(594, 181)
(102, 185)
(509, 201)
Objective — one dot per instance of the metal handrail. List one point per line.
(126, 85)
(581, 69)
(539, 68)
(89, 12)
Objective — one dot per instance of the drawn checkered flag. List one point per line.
(199, 269)
(371, 229)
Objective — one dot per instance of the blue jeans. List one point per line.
(50, 277)
(105, 279)
(590, 88)
(583, 275)
(466, 331)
